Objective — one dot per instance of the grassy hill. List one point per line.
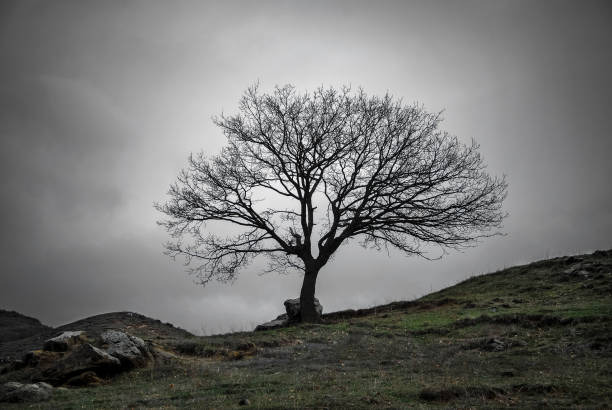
(15, 326)
(538, 335)
(21, 334)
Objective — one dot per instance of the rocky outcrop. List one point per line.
(81, 359)
(75, 359)
(13, 392)
(132, 351)
(65, 341)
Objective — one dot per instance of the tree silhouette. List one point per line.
(303, 174)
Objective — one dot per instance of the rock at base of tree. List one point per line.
(293, 315)
(14, 392)
(65, 341)
(280, 321)
(132, 351)
(292, 306)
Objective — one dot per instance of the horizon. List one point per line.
(251, 328)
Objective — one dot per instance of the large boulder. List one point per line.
(38, 358)
(14, 392)
(81, 359)
(292, 306)
(75, 359)
(65, 341)
(132, 351)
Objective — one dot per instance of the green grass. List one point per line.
(525, 337)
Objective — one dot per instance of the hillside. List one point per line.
(15, 346)
(538, 335)
(14, 326)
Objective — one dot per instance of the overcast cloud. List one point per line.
(101, 103)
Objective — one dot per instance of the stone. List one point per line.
(582, 270)
(88, 378)
(280, 321)
(10, 386)
(244, 402)
(132, 351)
(14, 392)
(573, 269)
(82, 359)
(36, 358)
(12, 366)
(65, 341)
(495, 345)
(292, 306)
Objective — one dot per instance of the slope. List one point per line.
(14, 326)
(538, 335)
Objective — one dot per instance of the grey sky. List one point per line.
(102, 102)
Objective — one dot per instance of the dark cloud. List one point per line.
(101, 102)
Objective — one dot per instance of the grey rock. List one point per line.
(12, 366)
(14, 392)
(583, 272)
(495, 345)
(573, 269)
(580, 269)
(65, 341)
(82, 359)
(132, 351)
(491, 344)
(11, 386)
(292, 306)
(280, 321)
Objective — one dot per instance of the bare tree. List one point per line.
(303, 174)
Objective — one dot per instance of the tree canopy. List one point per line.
(304, 173)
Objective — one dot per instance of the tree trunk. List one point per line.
(307, 307)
